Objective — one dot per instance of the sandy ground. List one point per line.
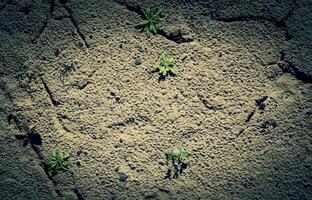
(117, 120)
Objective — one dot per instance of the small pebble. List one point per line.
(137, 61)
(122, 177)
(262, 106)
(161, 162)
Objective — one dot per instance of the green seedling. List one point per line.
(58, 162)
(151, 17)
(29, 134)
(166, 66)
(179, 162)
(177, 156)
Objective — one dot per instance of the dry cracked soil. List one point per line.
(240, 103)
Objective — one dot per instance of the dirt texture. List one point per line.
(241, 103)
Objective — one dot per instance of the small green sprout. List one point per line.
(179, 163)
(151, 17)
(58, 162)
(166, 66)
(180, 156)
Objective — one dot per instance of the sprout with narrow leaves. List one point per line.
(151, 17)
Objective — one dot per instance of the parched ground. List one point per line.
(240, 104)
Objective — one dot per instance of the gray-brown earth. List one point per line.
(240, 104)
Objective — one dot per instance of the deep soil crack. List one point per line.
(176, 37)
(52, 5)
(45, 23)
(71, 17)
(74, 22)
(39, 154)
(41, 158)
(50, 94)
(281, 23)
(78, 194)
(288, 67)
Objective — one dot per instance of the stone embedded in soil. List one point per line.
(161, 162)
(137, 61)
(123, 177)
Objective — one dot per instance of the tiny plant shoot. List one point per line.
(180, 156)
(179, 162)
(166, 66)
(58, 162)
(151, 17)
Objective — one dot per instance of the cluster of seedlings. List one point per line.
(59, 161)
(151, 18)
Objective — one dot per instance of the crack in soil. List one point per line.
(278, 23)
(52, 5)
(250, 115)
(38, 152)
(134, 8)
(260, 105)
(207, 104)
(45, 23)
(78, 194)
(125, 122)
(71, 17)
(288, 67)
(176, 37)
(128, 121)
(74, 22)
(50, 94)
(41, 158)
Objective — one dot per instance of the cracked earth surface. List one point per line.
(240, 104)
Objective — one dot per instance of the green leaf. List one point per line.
(145, 13)
(150, 18)
(173, 70)
(48, 162)
(153, 28)
(66, 163)
(142, 23)
(54, 154)
(183, 154)
(157, 13)
(53, 165)
(66, 156)
(64, 166)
